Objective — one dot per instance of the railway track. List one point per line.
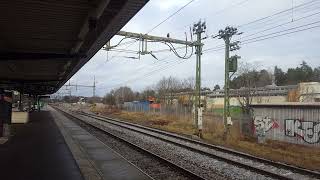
(259, 165)
(189, 174)
(289, 173)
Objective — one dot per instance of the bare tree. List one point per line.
(123, 94)
(109, 98)
(146, 93)
(167, 87)
(93, 100)
(188, 84)
(247, 82)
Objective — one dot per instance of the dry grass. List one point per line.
(298, 155)
(167, 122)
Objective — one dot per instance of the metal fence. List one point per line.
(293, 123)
(179, 111)
(212, 122)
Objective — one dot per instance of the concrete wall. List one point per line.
(218, 102)
(297, 124)
(309, 92)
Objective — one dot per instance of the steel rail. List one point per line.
(218, 148)
(185, 171)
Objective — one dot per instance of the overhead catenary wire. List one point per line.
(126, 48)
(171, 49)
(281, 17)
(200, 27)
(123, 50)
(275, 21)
(215, 13)
(275, 17)
(139, 70)
(221, 46)
(174, 49)
(166, 50)
(149, 74)
(262, 38)
(169, 17)
(154, 52)
(229, 7)
(277, 32)
(157, 64)
(165, 65)
(129, 42)
(118, 43)
(156, 26)
(280, 25)
(271, 37)
(277, 13)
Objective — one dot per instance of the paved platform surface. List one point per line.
(109, 163)
(37, 151)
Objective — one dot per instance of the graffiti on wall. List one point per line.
(264, 123)
(308, 130)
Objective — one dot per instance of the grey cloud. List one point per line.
(287, 51)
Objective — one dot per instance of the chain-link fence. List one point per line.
(212, 119)
(179, 111)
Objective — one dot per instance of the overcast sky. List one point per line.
(113, 69)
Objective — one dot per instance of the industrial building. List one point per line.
(302, 92)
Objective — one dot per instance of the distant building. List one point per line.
(308, 92)
(303, 92)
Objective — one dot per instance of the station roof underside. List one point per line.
(45, 42)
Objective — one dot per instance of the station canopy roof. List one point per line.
(45, 42)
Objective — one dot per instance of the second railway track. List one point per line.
(260, 168)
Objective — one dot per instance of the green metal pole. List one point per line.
(226, 112)
(197, 84)
(198, 81)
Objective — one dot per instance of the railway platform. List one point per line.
(101, 159)
(50, 146)
(37, 150)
